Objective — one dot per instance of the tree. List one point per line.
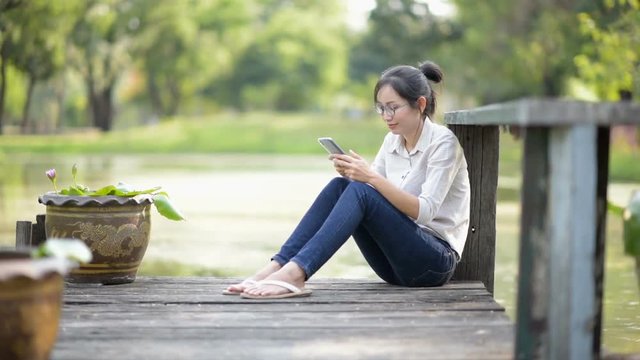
(36, 43)
(610, 62)
(182, 49)
(101, 40)
(400, 32)
(6, 27)
(511, 49)
(296, 59)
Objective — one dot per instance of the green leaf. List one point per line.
(615, 209)
(166, 208)
(124, 188)
(107, 190)
(75, 190)
(139, 192)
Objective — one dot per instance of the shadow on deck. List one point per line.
(189, 318)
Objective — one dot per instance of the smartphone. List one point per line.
(331, 146)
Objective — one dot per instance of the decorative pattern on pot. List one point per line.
(116, 229)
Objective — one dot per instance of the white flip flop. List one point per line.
(294, 291)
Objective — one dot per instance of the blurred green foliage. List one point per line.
(267, 132)
(119, 63)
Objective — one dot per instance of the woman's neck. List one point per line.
(411, 140)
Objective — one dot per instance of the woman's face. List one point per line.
(405, 119)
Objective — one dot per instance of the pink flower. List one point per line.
(51, 174)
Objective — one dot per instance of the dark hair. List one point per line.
(411, 83)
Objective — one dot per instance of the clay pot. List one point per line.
(116, 229)
(30, 302)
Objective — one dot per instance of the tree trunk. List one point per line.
(25, 111)
(3, 82)
(60, 91)
(154, 95)
(174, 101)
(101, 107)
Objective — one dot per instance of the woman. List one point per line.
(408, 212)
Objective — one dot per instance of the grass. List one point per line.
(225, 133)
(265, 133)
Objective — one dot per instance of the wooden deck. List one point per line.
(189, 318)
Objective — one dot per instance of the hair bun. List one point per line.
(431, 70)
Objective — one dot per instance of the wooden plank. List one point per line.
(454, 296)
(80, 311)
(23, 234)
(438, 299)
(481, 150)
(38, 235)
(532, 304)
(342, 319)
(288, 343)
(548, 112)
(188, 282)
(572, 233)
(203, 317)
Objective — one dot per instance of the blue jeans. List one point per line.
(395, 247)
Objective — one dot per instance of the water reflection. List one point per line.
(241, 207)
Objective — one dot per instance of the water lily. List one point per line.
(51, 174)
(160, 198)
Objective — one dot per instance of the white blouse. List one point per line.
(436, 172)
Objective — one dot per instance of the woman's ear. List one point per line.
(422, 104)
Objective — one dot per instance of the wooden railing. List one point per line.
(564, 191)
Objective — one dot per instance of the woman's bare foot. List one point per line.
(269, 269)
(290, 273)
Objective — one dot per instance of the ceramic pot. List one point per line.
(116, 229)
(30, 302)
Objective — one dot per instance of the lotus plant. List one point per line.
(51, 174)
(160, 198)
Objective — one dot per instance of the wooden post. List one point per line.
(572, 232)
(601, 222)
(532, 321)
(38, 235)
(481, 150)
(23, 234)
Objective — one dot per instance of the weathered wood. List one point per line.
(572, 234)
(23, 234)
(548, 112)
(601, 223)
(532, 322)
(480, 144)
(171, 318)
(564, 212)
(38, 235)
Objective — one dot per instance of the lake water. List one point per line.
(241, 207)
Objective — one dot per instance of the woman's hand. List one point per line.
(340, 168)
(353, 166)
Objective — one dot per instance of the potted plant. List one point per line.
(113, 221)
(31, 284)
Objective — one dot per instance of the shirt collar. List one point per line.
(398, 142)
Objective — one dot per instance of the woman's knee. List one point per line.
(363, 189)
(339, 182)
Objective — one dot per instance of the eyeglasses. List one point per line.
(389, 110)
